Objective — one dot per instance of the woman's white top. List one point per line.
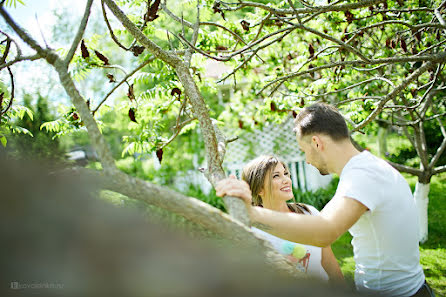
(306, 257)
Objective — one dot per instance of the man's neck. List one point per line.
(341, 154)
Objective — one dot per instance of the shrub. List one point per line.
(317, 198)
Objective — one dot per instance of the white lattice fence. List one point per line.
(278, 140)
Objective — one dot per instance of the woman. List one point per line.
(271, 187)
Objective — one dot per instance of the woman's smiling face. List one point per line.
(281, 185)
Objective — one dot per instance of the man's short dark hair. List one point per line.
(321, 118)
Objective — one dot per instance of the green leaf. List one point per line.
(22, 130)
(3, 140)
(14, 2)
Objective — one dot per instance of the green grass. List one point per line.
(432, 253)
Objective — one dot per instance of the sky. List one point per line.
(37, 18)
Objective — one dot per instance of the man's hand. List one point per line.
(233, 187)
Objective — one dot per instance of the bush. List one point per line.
(317, 198)
(211, 198)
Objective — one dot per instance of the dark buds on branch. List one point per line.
(221, 48)
(245, 25)
(111, 78)
(348, 16)
(240, 124)
(217, 9)
(1, 101)
(311, 50)
(273, 106)
(102, 57)
(403, 45)
(176, 92)
(132, 115)
(159, 154)
(418, 35)
(152, 9)
(84, 50)
(131, 93)
(137, 50)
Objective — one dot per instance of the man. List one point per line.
(372, 201)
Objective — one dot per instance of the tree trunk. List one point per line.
(422, 200)
(382, 141)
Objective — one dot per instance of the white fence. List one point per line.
(277, 140)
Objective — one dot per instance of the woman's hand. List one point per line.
(233, 187)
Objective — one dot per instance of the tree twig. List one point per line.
(79, 34)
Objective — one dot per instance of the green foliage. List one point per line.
(12, 116)
(33, 143)
(210, 198)
(14, 2)
(69, 122)
(319, 197)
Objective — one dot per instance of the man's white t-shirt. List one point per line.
(310, 263)
(385, 238)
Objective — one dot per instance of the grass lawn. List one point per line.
(433, 252)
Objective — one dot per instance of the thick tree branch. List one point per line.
(322, 8)
(190, 208)
(406, 169)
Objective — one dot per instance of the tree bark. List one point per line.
(190, 208)
(421, 196)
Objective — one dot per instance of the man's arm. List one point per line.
(334, 220)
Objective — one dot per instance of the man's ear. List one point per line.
(317, 142)
(261, 193)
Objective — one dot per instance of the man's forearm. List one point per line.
(305, 229)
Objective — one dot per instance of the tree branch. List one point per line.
(20, 59)
(190, 208)
(157, 51)
(53, 59)
(11, 99)
(393, 94)
(322, 8)
(121, 82)
(44, 53)
(79, 34)
(439, 170)
(406, 169)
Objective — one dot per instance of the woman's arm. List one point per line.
(331, 265)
